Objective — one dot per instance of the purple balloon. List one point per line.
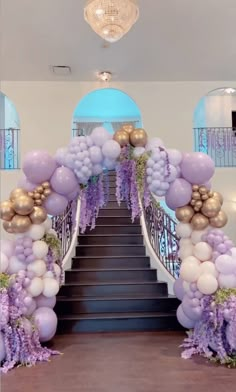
(194, 313)
(26, 184)
(197, 168)
(184, 320)
(55, 204)
(95, 154)
(2, 347)
(73, 195)
(30, 258)
(21, 257)
(179, 194)
(42, 301)
(46, 321)
(38, 166)
(178, 289)
(225, 264)
(63, 181)
(222, 248)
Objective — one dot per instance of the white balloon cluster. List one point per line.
(89, 155)
(162, 169)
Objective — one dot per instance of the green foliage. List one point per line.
(141, 171)
(54, 244)
(223, 295)
(4, 281)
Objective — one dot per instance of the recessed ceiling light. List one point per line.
(230, 90)
(61, 70)
(104, 76)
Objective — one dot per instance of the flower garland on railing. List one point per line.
(92, 199)
(214, 336)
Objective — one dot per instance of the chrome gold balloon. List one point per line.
(16, 193)
(46, 185)
(6, 210)
(211, 207)
(218, 196)
(8, 227)
(23, 205)
(138, 138)
(20, 224)
(184, 214)
(199, 222)
(121, 137)
(38, 215)
(219, 220)
(128, 128)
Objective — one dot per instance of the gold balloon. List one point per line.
(219, 220)
(193, 202)
(43, 197)
(39, 215)
(210, 194)
(20, 224)
(38, 202)
(218, 196)
(205, 197)
(46, 184)
(195, 188)
(47, 192)
(138, 137)
(121, 137)
(16, 193)
(203, 190)
(39, 189)
(196, 196)
(184, 214)
(198, 204)
(8, 227)
(211, 207)
(128, 128)
(6, 210)
(196, 209)
(23, 205)
(31, 194)
(37, 196)
(199, 222)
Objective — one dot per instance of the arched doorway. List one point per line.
(9, 134)
(214, 123)
(107, 107)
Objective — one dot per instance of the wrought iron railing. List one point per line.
(219, 143)
(63, 225)
(161, 230)
(9, 149)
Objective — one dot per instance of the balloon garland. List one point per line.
(30, 263)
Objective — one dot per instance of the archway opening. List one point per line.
(108, 107)
(9, 134)
(214, 123)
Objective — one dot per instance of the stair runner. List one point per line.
(111, 286)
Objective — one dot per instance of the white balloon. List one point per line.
(175, 156)
(202, 251)
(190, 271)
(184, 230)
(38, 267)
(57, 270)
(36, 287)
(191, 259)
(40, 249)
(208, 267)
(47, 224)
(185, 242)
(227, 281)
(4, 262)
(197, 236)
(233, 251)
(49, 274)
(100, 135)
(15, 265)
(36, 232)
(52, 232)
(138, 151)
(185, 251)
(50, 287)
(111, 149)
(207, 284)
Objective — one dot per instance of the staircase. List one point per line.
(111, 286)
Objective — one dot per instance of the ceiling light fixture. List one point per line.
(104, 76)
(111, 19)
(230, 90)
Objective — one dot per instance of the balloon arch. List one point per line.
(30, 262)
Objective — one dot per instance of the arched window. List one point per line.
(108, 107)
(9, 134)
(215, 126)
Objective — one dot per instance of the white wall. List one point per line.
(46, 108)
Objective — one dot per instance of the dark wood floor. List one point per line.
(127, 362)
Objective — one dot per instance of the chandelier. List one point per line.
(111, 19)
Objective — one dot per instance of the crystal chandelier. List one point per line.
(111, 19)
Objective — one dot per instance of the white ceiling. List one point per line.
(173, 40)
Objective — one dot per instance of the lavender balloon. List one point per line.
(38, 166)
(178, 289)
(197, 168)
(179, 194)
(55, 204)
(26, 184)
(46, 321)
(63, 181)
(184, 320)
